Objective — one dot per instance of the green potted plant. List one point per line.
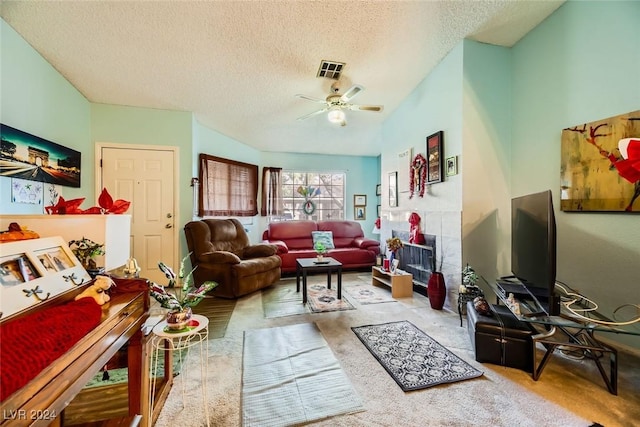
(179, 305)
(320, 249)
(469, 278)
(86, 250)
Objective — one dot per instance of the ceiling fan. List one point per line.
(335, 104)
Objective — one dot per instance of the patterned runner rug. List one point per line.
(413, 358)
(290, 377)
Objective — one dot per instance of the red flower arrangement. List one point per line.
(418, 173)
(72, 207)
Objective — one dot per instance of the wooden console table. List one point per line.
(42, 400)
(401, 283)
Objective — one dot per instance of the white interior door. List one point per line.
(146, 177)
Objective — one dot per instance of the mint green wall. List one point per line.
(485, 164)
(36, 99)
(581, 64)
(435, 105)
(146, 126)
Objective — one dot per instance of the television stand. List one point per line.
(401, 283)
(565, 331)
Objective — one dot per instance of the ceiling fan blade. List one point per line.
(377, 108)
(315, 113)
(351, 93)
(311, 98)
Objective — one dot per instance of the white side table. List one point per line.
(162, 339)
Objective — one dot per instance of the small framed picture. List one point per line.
(435, 150)
(359, 200)
(379, 190)
(359, 213)
(379, 210)
(451, 165)
(393, 189)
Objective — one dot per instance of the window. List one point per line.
(227, 187)
(327, 204)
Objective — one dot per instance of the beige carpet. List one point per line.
(569, 392)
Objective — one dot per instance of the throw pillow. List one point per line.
(324, 237)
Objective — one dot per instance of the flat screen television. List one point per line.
(533, 247)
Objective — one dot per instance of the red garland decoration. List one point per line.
(419, 164)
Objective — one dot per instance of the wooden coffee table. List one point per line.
(311, 265)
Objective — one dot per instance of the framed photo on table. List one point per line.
(435, 163)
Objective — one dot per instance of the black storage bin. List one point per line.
(501, 338)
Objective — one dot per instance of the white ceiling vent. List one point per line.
(330, 69)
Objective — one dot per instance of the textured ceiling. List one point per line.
(238, 65)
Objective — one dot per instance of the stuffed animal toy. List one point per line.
(415, 235)
(98, 291)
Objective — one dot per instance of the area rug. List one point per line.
(366, 293)
(413, 358)
(290, 376)
(282, 300)
(321, 299)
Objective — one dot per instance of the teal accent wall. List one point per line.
(36, 99)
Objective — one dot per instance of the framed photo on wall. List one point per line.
(404, 166)
(359, 213)
(359, 200)
(33, 158)
(452, 165)
(393, 189)
(379, 190)
(435, 150)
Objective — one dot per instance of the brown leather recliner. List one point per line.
(221, 251)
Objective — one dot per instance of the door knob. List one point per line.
(168, 226)
(169, 215)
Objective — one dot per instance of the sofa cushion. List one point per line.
(281, 247)
(296, 234)
(259, 250)
(344, 232)
(219, 257)
(324, 237)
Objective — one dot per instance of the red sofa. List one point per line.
(293, 240)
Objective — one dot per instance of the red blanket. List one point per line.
(30, 344)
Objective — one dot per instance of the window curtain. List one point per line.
(227, 187)
(271, 192)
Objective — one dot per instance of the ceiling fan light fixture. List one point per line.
(336, 116)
